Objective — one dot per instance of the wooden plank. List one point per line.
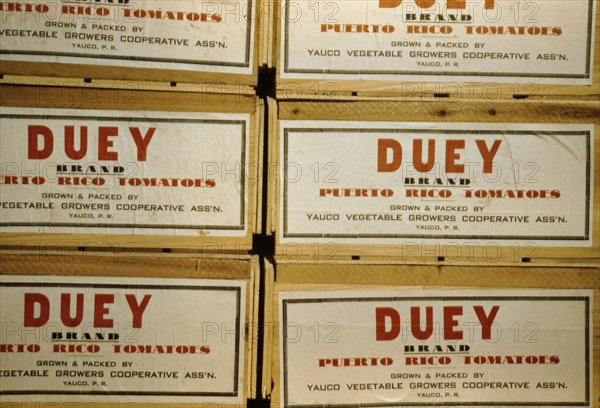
(555, 110)
(136, 102)
(132, 86)
(168, 267)
(272, 174)
(270, 331)
(267, 12)
(243, 83)
(126, 98)
(81, 47)
(327, 86)
(328, 278)
(259, 172)
(374, 114)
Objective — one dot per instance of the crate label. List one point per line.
(430, 348)
(86, 171)
(405, 183)
(121, 339)
(187, 35)
(545, 42)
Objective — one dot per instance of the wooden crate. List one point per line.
(216, 45)
(322, 294)
(340, 155)
(157, 283)
(312, 44)
(206, 137)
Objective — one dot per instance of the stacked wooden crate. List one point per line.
(117, 329)
(131, 143)
(436, 204)
(429, 171)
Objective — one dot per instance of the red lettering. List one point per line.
(432, 360)
(382, 314)
(383, 165)
(415, 323)
(450, 4)
(486, 321)
(70, 142)
(389, 3)
(424, 3)
(418, 155)
(451, 156)
(104, 132)
(450, 323)
(76, 348)
(488, 154)
(388, 323)
(65, 310)
(456, 4)
(324, 362)
(142, 142)
(31, 299)
(33, 147)
(137, 309)
(100, 310)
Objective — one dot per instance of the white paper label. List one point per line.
(452, 348)
(397, 183)
(427, 40)
(191, 35)
(123, 172)
(113, 339)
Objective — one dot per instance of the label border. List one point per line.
(243, 124)
(362, 73)
(586, 299)
(236, 373)
(585, 237)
